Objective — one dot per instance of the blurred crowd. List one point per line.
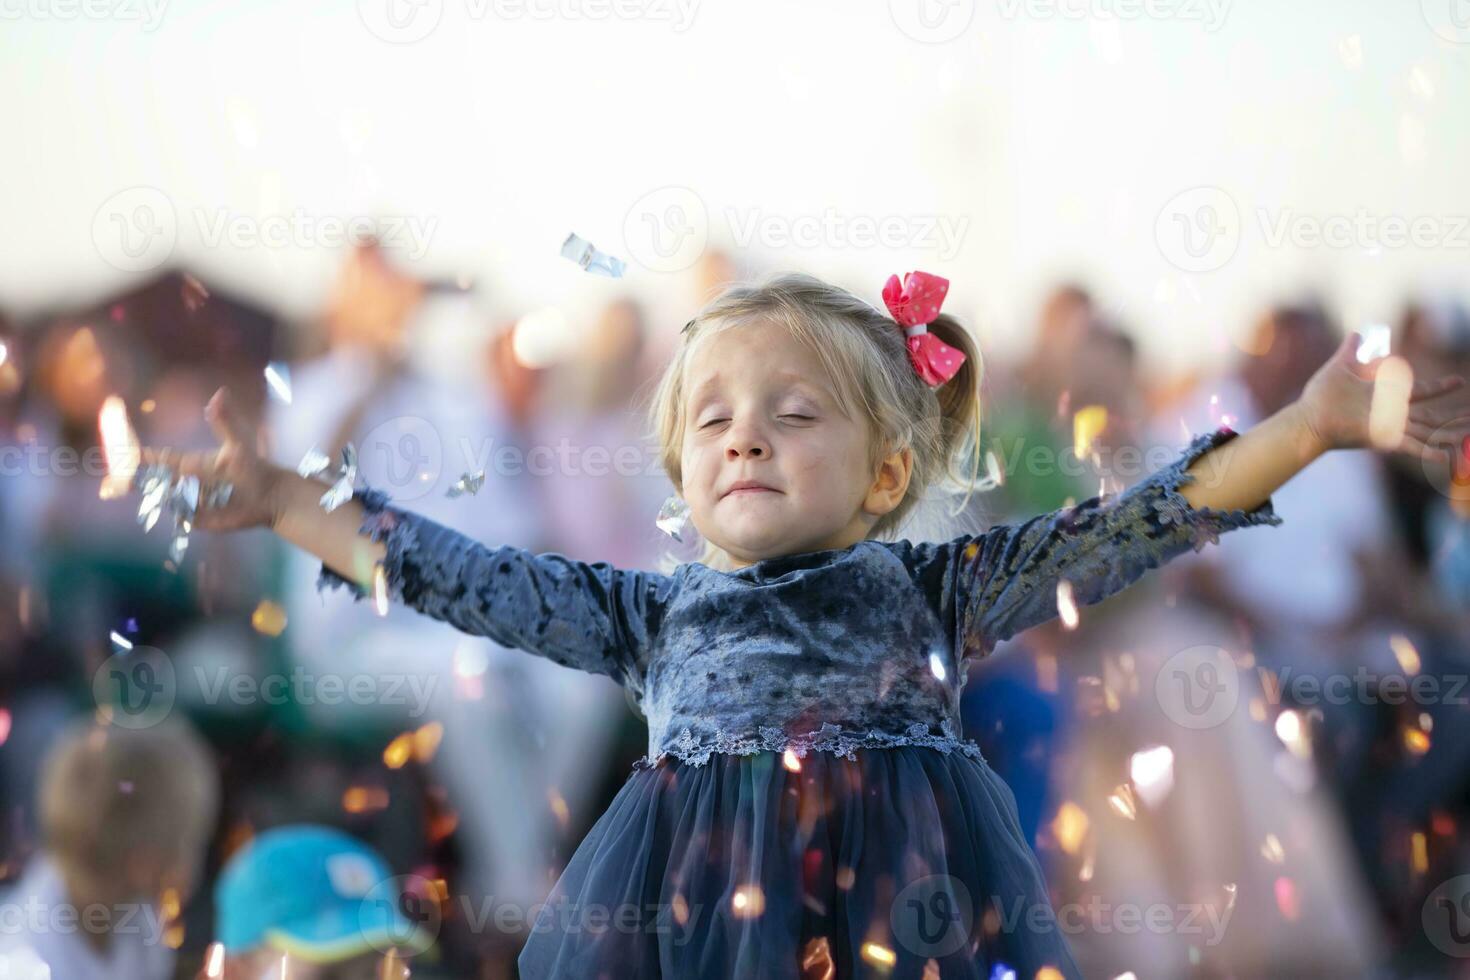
(1301, 824)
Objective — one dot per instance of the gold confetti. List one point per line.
(1420, 852)
(816, 960)
(1272, 850)
(878, 955)
(426, 741)
(1416, 741)
(362, 799)
(1405, 654)
(268, 618)
(119, 448)
(1069, 826)
(790, 760)
(748, 902)
(1123, 803)
(1087, 425)
(399, 751)
(559, 808)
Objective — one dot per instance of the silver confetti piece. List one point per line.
(672, 517)
(469, 483)
(341, 490)
(163, 490)
(1374, 343)
(313, 462)
(582, 252)
(278, 381)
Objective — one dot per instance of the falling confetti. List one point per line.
(1374, 343)
(1152, 772)
(1123, 802)
(879, 955)
(315, 462)
(672, 517)
(268, 619)
(119, 448)
(380, 589)
(1067, 605)
(748, 902)
(469, 483)
(278, 381)
(1087, 425)
(1069, 827)
(582, 252)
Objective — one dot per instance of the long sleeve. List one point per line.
(1003, 581)
(591, 617)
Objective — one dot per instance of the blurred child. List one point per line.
(125, 817)
(312, 903)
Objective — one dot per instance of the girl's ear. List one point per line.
(891, 482)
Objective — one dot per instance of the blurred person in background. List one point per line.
(1220, 819)
(1409, 774)
(410, 379)
(126, 815)
(603, 509)
(311, 903)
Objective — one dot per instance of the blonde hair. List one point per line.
(864, 353)
(122, 809)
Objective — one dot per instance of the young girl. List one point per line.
(808, 807)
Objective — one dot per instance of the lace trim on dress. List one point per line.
(696, 751)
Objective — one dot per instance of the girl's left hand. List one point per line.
(1336, 401)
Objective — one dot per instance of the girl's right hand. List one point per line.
(254, 499)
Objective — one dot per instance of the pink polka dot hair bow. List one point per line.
(915, 304)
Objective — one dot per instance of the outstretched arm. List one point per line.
(1335, 411)
(1011, 577)
(591, 617)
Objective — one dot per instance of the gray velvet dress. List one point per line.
(807, 798)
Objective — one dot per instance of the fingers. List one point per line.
(224, 419)
(1425, 390)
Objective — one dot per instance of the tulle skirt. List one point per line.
(908, 862)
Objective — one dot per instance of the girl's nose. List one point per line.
(746, 441)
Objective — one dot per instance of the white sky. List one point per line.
(1052, 140)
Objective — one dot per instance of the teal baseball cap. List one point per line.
(318, 894)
